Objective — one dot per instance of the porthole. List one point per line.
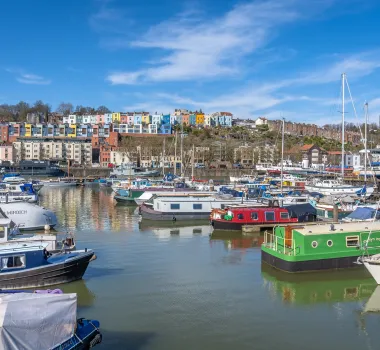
(330, 243)
(314, 244)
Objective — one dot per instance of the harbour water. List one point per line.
(162, 288)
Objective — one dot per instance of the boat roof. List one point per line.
(21, 247)
(338, 228)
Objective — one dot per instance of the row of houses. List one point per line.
(144, 118)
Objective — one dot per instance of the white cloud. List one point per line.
(196, 47)
(28, 78)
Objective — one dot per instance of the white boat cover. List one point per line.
(30, 321)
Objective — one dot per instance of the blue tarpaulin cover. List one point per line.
(363, 213)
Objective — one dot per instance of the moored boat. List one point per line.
(263, 216)
(30, 265)
(39, 321)
(301, 248)
(60, 182)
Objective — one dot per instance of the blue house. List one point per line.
(138, 119)
(166, 129)
(192, 119)
(156, 119)
(166, 119)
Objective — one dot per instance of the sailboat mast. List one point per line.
(192, 165)
(282, 152)
(343, 81)
(163, 158)
(175, 154)
(182, 149)
(365, 141)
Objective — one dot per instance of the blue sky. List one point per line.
(272, 58)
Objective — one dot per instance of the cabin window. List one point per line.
(197, 206)
(240, 216)
(13, 262)
(314, 244)
(330, 243)
(269, 216)
(352, 241)
(254, 216)
(284, 216)
(174, 206)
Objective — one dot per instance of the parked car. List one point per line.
(237, 166)
(212, 167)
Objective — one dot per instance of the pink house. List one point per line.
(6, 153)
(130, 119)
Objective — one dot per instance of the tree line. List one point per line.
(18, 112)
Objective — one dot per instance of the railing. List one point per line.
(278, 244)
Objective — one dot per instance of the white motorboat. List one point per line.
(60, 182)
(334, 187)
(28, 216)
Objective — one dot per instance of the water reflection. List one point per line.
(173, 231)
(236, 240)
(87, 208)
(85, 296)
(312, 288)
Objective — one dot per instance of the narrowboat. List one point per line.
(302, 248)
(190, 207)
(235, 217)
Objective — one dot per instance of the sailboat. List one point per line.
(335, 187)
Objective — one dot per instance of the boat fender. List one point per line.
(174, 219)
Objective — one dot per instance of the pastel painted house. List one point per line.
(130, 119)
(166, 119)
(156, 119)
(107, 118)
(173, 119)
(145, 119)
(166, 129)
(192, 119)
(137, 119)
(116, 117)
(6, 153)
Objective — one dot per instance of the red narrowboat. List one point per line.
(234, 217)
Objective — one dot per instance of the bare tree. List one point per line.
(65, 108)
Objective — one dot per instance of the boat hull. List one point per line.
(47, 275)
(309, 265)
(150, 214)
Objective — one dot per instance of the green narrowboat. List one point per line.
(302, 248)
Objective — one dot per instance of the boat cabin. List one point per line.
(318, 247)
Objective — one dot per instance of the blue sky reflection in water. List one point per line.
(180, 288)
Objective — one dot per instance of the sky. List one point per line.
(276, 58)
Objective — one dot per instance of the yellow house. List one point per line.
(199, 118)
(116, 117)
(28, 130)
(145, 119)
(73, 133)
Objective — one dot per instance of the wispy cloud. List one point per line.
(28, 78)
(201, 48)
(107, 18)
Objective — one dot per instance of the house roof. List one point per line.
(307, 147)
(334, 152)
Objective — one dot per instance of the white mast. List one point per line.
(343, 81)
(182, 149)
(282, 152)
(163, 158)
(175, 154)
(192, 165)
(365, 141)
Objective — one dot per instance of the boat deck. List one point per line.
(338, 227)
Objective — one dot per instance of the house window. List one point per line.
(352, 241)
(13, 262)
(174, 206)
(254, 216)
(284, 216)
(269, 215)
(197, 206)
